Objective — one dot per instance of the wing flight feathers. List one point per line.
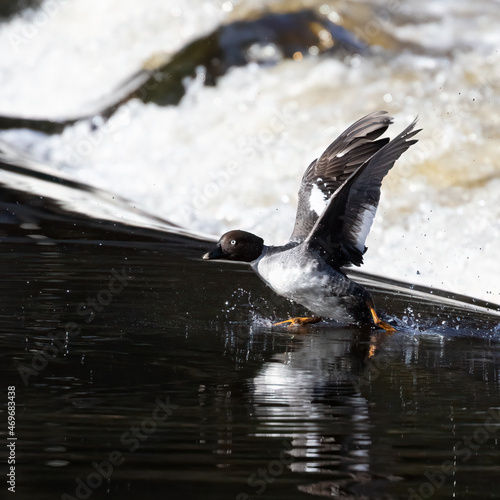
(354, 147)
(339, 234)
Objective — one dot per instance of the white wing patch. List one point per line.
(365, 224)
(317, 200)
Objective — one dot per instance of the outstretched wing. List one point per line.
(340, 233)
(326, 174)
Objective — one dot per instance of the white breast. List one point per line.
(307, 284)
(284, 274)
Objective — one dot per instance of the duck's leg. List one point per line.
(299, 321)
(378, 322)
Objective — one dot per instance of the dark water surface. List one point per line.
(142, 371)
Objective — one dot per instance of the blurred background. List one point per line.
(206, 113)
(121, 118)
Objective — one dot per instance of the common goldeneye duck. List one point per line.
(309, 269)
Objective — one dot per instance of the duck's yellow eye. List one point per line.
(233, 242)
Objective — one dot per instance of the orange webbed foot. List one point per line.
(379, 323)
(299, 321)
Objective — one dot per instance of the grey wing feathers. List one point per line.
(340, 233)
(344, 156)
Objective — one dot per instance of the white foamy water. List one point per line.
(232, 156)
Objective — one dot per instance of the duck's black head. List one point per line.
(237, 245)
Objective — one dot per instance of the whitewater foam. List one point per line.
(232, 156)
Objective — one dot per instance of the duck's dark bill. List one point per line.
(215, 253)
